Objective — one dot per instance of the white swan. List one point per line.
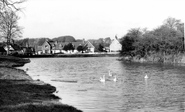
(102, 79)
(115, 79)
(110, 74)
(146, 77)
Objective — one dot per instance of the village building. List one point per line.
(2, 51)
(38, 50)
(115, 45)
(53, 47)
(90, 47)
(13, 49)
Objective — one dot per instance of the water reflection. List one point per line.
(77, 80)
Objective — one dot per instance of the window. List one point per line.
(61, 45)
(46, 46)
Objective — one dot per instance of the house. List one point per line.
(53, 47)
(17, 49)
(115, 45)
(90, 47)
(14, 49)
(38, 50)
(46, 47)
(28, 51)
(2, 51)
(11, 49)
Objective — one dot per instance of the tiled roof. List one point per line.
(38, 48)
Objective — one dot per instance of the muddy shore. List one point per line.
(20, 93)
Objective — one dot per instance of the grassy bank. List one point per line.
(20, 93)
(11, 61)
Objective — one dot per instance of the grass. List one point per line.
(20, 93)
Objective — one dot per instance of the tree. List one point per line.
(69, 47)
(176, 25)
(100, 48)
(171, 23)
(9, 28)
(107, 41)
(8, 8)
(82, 48)
(127, 46)
(134, 33)
(9, 4)
(65, 48)
(163, 41)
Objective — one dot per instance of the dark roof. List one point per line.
(2, 49)
(41, 41)
(16, 47)
(38, 48)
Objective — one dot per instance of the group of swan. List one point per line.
(102, 79)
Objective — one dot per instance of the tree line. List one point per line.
(167, 39)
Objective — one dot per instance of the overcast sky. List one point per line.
(95, 18)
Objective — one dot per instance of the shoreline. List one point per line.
(170, 59)
(19, 92)
(69, 55)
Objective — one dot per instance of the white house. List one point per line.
(115, 46)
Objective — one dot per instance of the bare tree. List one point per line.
(9, 4)
(173, 23)
(9, 28)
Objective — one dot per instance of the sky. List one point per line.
(93, 19)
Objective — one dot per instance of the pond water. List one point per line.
(78, 84)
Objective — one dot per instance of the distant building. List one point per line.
(28, 50)
(38, 50)
(90, 47)
(46, 47)
(2, 51)
(115, 45)
(14, 49)
(52, 47)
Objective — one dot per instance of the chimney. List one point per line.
(83, 41)
(116, 37)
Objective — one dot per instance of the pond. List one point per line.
(78, 84)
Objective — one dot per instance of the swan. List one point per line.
(110, 74)
(115, 79)
(102, 79)
(146, 77)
